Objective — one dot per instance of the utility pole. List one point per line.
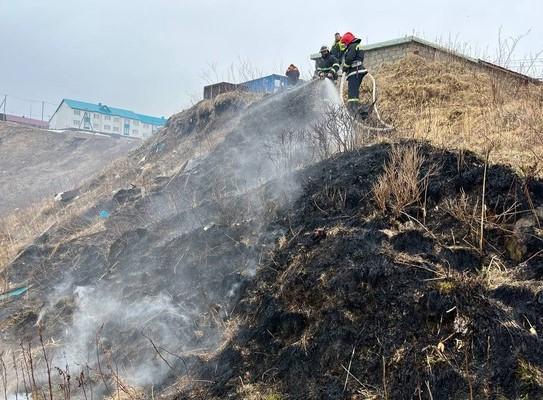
(5, 101)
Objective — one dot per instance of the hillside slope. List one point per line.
(267, 248)
(119, 281)
(36, 164)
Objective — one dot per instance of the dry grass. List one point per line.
(17, 229)
(455, 107)
(399, 186)
(530, 375)
(20, 228)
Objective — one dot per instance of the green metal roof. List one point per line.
(117, 112)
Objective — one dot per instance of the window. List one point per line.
(134, 131)
(145, 126)
(96, 116)
(76, 122)
(116, 119)
(96, 126)
(107, 127)
(77, 112)
(107, 118)
(136, 123)
(115, 129)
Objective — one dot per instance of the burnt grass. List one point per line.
(405, 301)
(402, 301)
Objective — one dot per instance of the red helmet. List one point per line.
(347, 38)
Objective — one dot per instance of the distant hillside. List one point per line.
(35, 164)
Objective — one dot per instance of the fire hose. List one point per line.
(385, 127)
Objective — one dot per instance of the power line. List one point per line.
(30, 100)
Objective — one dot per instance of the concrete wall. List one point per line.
(68, 118)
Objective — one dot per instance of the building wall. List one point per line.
(60, 119)
(68, 118)
(374, 58)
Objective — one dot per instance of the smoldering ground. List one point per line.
(129, 304)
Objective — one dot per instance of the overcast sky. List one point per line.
(154, 56)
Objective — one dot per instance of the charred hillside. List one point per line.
(359, 303)
(271, 248)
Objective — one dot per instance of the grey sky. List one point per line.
(152, 56)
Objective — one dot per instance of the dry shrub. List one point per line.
(465, 210)
(337, 132)
(400, 185)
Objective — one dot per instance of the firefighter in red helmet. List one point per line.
(354, 70)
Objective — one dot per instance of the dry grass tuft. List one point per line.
(530, 375)
(399, 186)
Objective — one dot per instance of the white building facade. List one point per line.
(73, 114)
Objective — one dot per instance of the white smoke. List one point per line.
(106, 312)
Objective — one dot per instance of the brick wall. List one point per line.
(374, 58)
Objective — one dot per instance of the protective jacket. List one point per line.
(337, 50)
(293, 74)
(353, 62)
(328, 64)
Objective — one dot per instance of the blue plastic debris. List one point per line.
(14, 293)
(104, 214)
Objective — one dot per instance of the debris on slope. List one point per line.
(227, 259)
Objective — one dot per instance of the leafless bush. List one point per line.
(465, 210)
(400, 185)
(338, 131)
(293, 149)
(240, 71)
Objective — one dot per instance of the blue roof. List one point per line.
(272, 76)
(116, 112)
(265, 84)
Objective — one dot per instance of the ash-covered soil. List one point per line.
(408, 304)
(36, 163)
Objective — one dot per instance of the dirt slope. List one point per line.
(35, 164)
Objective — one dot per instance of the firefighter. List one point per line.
(338, 48)
(354, 70)
(293, 74)
(327, 66)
